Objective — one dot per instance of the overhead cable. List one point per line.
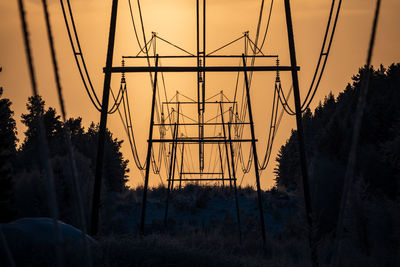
(323, 56)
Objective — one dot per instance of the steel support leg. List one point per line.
(171, 173)
(226, 146)
(204, 57)
(234, 183)
(148, 157)
(300, 135)
(175, 147)
(253, 143)
(94, 223)
(181, 170)
(222, 165)
(201, 59)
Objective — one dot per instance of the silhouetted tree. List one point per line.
(115, 167)
(31, 180)
(328, 132)
(8, 142)
(328, 135)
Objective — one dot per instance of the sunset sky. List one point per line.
(175, 20)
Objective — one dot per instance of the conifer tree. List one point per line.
(8, 142)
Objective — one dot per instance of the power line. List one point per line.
(147, 46)
(271, 129)
(156, 169)
(79, 57)
(127, 133)
(148, 61)
(283, 100)
(274, 129)
(129, 126)
(319, 70)
(267, 27)
(134, 25)
(255, 51)
(117, 101)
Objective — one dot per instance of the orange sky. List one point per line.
(175, 20)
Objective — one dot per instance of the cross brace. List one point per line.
(200, 140)
(200, 69)
(195, 103)
(204, 179)
(203, 173)
(207, 56)
(204, 124)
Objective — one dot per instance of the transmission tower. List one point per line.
(225, 122)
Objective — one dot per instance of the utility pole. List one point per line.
(255, 155)
(201, 76)
(222, 140)
(200, 140)
(149, 148)
(300, 134)
(94, 224)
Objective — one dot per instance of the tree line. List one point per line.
(22, 179)
(328, 130)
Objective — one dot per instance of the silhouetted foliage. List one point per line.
(31, 180)
(115, 167)
(53, 131)
(328, 135)
(8, 142)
